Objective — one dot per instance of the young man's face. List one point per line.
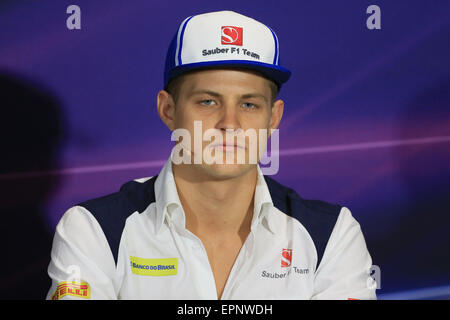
(223, 100)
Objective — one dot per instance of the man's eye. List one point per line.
(208, 102)
(248, 105)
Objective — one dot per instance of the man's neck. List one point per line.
(216, 207)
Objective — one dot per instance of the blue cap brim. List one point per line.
(276, 73)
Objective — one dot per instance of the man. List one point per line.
(217, 229)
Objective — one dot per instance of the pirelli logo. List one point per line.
(154, 267)
(75, 289)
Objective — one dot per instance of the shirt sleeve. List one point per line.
(344, 272)
(81, 265)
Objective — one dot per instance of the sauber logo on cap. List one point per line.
(232, 35)
(286, 257)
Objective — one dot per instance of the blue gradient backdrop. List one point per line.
(366, 122)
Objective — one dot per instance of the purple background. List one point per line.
(366, 122)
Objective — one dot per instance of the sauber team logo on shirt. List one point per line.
(232, 35)
(286, 257)
(154, 267)
(286, 267)
(75, 289)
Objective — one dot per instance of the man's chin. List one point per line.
(226, 171)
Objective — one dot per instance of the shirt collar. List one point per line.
(170, 210)
(168, 203)
(263, 205)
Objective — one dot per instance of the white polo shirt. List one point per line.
(133, 244)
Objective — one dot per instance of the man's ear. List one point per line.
(166, 109)
(277, 114)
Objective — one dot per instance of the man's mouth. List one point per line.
(227, 147)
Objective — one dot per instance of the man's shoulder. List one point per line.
(317, 217)
(112, 210)
(134, 195)
(290, 202)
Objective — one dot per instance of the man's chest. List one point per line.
(222, 253)
(180, 267)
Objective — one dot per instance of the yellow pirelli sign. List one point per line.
(74, 289)
(154, 267)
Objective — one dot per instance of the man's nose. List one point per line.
(229, 118)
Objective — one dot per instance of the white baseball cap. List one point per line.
(224, 39)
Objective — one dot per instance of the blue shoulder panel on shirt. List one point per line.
(318, 217)
(112, 210)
